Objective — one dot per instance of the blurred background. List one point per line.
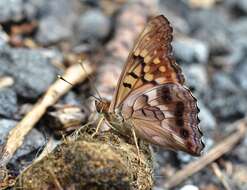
(39, 39)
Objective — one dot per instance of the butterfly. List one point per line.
(151, 97)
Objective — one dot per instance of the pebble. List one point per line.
(56, 25)
(8, 103)
(212, 27)
(4, 38)
(191, 50)
(93, 25)
(16, 10)
(196, 77)
(6, 126)
(240, 74)
(241, 5)
(225, 99)
(32, 72)
(33, 141)
(208, 121)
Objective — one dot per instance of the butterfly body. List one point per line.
(114, 119)
(151, 96)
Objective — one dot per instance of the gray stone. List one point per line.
(33, 141)
(212, 27)
(3, 38)
(191, 50)
(223, 83)
(208, 121)
(31, 71)
(93, 25)
(241, 5)
(16, 10)
(56, 29)
(225, 99)
(240, 151)
(8, 102)
(56, 25)
(196, 77)
(5, 126)
(240, 74)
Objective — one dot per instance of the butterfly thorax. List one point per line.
(115, 118)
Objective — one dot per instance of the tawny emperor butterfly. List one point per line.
(151, 97)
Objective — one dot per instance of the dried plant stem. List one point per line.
(74, 75)
(221, 176)
(216, 152)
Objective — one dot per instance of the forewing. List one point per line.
(166, 115)
(150, 62)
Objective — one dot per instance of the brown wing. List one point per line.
(150, 62)
(166, 115)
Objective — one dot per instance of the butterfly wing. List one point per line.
(166, 115)
(150, 92)
(150, 62)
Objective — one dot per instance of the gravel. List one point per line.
(6, 126)
(56, 25)
(17, 10)
(191, 50)
(8, 103)
(32, 72)
(92, 26)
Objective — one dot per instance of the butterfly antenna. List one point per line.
(96, 98)
(90, 80)
(60, 77)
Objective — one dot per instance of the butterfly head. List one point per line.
(102, 106)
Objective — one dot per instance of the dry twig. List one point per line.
(221, 176)
(75, 75)
(216, 152)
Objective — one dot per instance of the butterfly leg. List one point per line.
(136, 143)
(98, 126)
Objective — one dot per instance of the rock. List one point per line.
(32, 143)
(240, 75)
(56, 25)
(196, 74)
(238, 32)
(241, 5)
(191, 50)
(92, 26)
(240, 151)
(31, 71)
(6, 126)
(223, 83)
(4, 38)
(94, 3)
(56, 31)
(215, 33)
(16, 10)
(230, 59)
(189, 187)
(208, 121)
(71, 98)
(225, 99)
(8, 103)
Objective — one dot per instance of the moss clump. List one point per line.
(104, 162)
